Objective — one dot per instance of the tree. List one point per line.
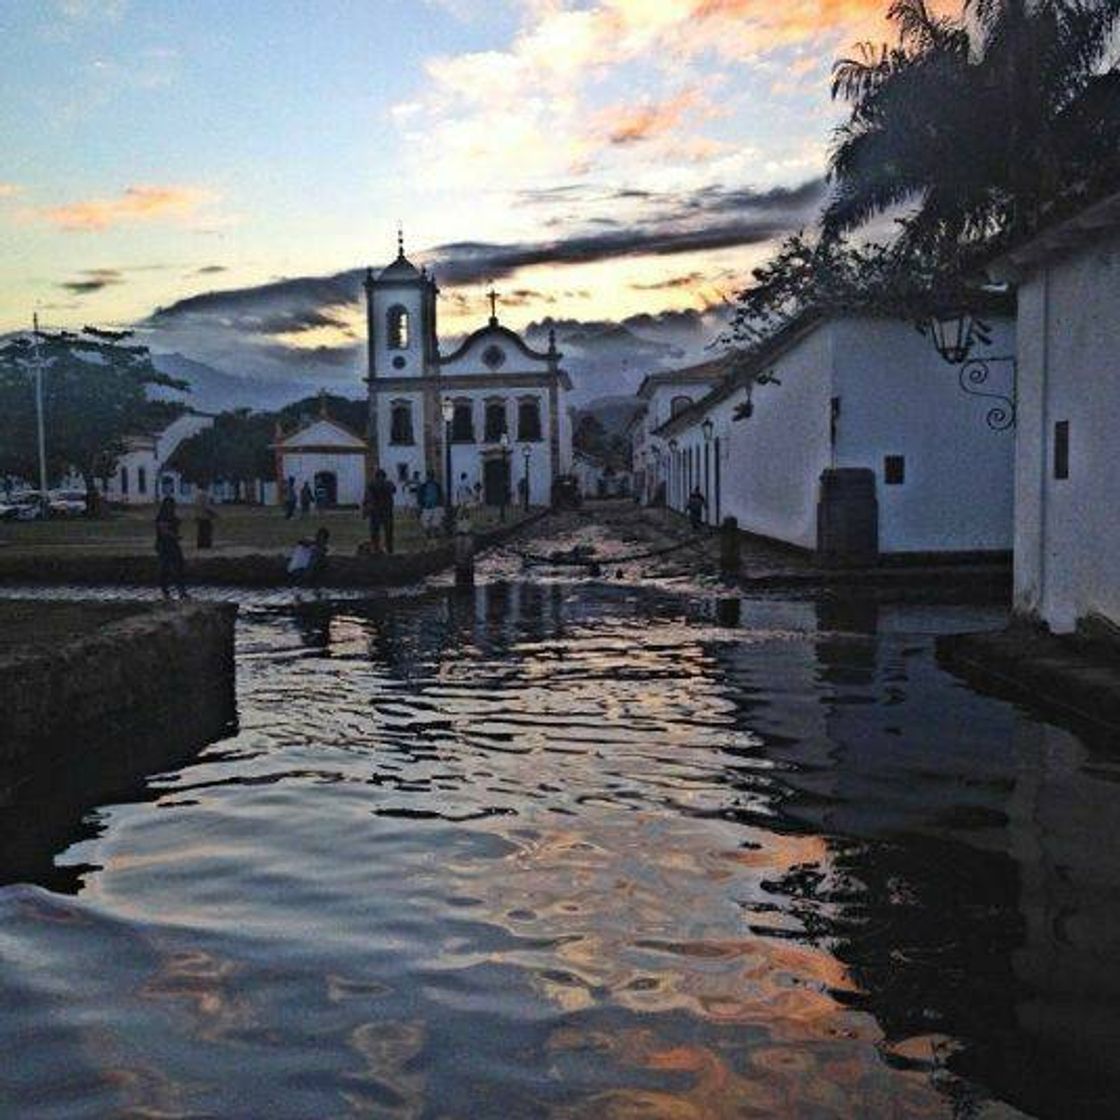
(825, 275)
(235, 449)
(94, 396)
(979, 124)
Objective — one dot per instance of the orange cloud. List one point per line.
(627, 124)
(9, 190)
(135, 204)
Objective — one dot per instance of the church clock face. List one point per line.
(494, 356)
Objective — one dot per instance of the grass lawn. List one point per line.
(239, 531)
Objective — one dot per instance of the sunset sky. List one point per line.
(596, 160)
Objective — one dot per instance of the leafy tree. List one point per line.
(980, 124)
(834, 275)
(235, 449)
(94, 396)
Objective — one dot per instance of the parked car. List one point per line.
(67, 503)
(29, 505)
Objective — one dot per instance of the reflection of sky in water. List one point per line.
(573, 850)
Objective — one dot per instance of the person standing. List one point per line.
(168, 550)
(290, 498)
(305, 499)
(429, 501)
(205, 515)
(696, 505)
(464, 492)
(378, 507)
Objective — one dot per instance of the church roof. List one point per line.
(401, 269)
(497, 330)
(321, 433)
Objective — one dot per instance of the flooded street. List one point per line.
(568, 848)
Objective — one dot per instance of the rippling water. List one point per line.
(572, 850)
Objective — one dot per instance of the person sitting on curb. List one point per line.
(308, 561)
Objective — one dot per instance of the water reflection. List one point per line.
(578, 850)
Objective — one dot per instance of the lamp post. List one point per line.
(448, 410)
(503, 497)
(953, 334)
(708, 428)
(674, 472)
(526, 453)
(44, 503)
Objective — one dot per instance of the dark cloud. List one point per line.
(304, 292)
(685, 281)
(208, 269)
(92, 280)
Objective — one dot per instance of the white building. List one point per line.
(1067, 529)
(142, 475)
(850, 392)
(326, 455)
(492, 385)
(662, 396)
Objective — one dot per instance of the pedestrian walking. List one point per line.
(290, 498)
(205, 515)
(378, 508)
(168, 550)
(696, 505)
(429, 501)
(305, 499)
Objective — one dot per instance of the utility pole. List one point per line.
(44, 504)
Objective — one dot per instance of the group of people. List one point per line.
(309, 557)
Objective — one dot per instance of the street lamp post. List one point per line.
(707, 428)
(503, 497)
(448, 410)
(526, 453)
(674, 473)
(44, 503)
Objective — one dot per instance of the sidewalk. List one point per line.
(773, 565)
(1028, 663)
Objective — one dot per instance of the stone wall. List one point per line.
(157, 683)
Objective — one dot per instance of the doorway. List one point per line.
(495, 481)
(326, 489)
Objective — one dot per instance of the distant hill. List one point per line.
(614, 413)
(214, 390)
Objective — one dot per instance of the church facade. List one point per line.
(498, 405)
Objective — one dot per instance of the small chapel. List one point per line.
(493, 409)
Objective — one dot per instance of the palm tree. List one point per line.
(977, 124)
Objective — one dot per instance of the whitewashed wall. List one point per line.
(1067, 532)
(349, 469)
(898, 397)
(775, 457)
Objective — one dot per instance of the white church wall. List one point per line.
(898, 397)
(1067, 536)
(348, 468)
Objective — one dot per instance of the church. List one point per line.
(493, 409)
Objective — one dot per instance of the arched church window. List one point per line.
(528, 419)
(462, 423)
(397, 328)
(400, 423)
(495, 420)
(679, 404)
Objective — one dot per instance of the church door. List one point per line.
(326, 489)
(495, 481)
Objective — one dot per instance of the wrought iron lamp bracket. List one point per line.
(973, 379)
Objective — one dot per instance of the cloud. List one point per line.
(93, 280)
(135, 204)
(688, 280)
(9, 190)
(535, 108)
(209, 269)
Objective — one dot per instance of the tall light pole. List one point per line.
(44, 504)
(526, 453)
(674, 474)
(503, 497)
(708, 428)
(448, 410)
